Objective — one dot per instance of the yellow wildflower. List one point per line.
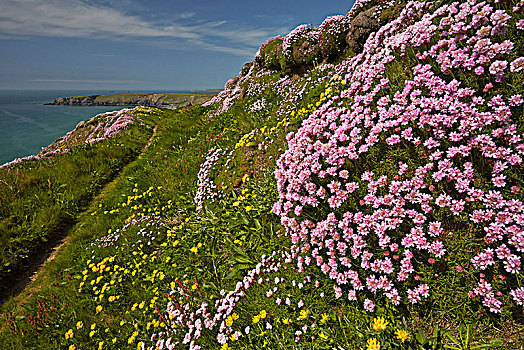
(194, 250)
(322, 336)
(229, 321)
(402, 335)
(373, 344)
(225, 347)
(286, 320)
(69, 334)
(99, 308)
(324, 318)
(79, 324)
(235, 316)
(379, 323)
(263, 314)
(304, 314)
(72, 347)
(256, 319)
(101, 345)
(91, 334)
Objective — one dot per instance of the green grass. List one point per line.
(141, 244)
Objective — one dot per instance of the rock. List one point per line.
(306, 52)
(361, 27)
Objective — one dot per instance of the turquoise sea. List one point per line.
(27, 125)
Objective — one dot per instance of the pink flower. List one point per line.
(517, 65)
(498, 67)
(368, 305)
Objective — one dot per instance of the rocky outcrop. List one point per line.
(168, 100)
(361, 27)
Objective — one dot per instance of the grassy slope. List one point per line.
(114, 277)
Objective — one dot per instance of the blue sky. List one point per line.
(141, 45)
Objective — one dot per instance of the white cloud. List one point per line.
(78, 19)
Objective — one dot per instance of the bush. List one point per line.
(332, 35)
(299, 48)
(271, 52)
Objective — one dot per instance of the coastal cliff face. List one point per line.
(173, 100)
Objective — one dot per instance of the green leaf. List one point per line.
(452, 338)
(493, 343)
(421, 337)
(242, 258)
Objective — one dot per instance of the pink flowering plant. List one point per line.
(378, 183)
(332, 35)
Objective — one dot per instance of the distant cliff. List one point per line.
(137, 99)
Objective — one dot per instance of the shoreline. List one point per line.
(166, 100)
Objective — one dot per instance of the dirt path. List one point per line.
(35, 267)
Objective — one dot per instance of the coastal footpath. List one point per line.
(168, 100)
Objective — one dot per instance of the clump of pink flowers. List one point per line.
(365, 230)
(206, 188)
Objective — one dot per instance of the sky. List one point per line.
(141, 45)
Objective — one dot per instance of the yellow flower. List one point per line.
(402, 335)
(229, 321)
(379, 323)
(91, 334)
(304, 314)
(194, 250)
(72, 347)
(373, 344)
(79, 324)
(100, 345)
(112, 298)
(225, 347)
(93, 326)
(69, 334)
(324, 318)
(263, 314)
(235, 316)
(99, 308)
(322, 336)
(139, 345)
(256, 319)
(286, 320)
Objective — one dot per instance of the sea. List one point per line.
(27, 124)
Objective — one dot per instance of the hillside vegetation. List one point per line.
(357, 186)
(167, 100)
